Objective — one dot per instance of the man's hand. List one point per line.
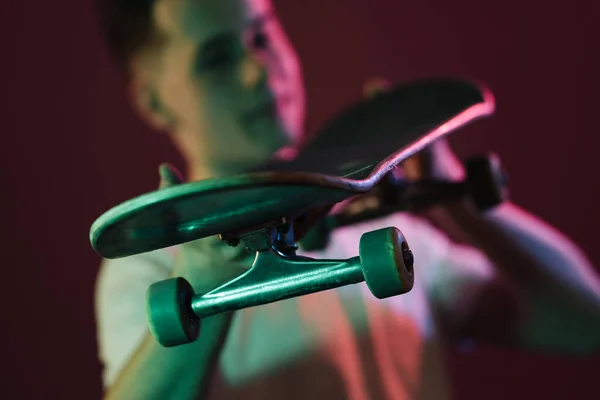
(436, 162)
(209, 262)
(180, 372)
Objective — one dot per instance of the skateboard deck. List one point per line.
(367, 132)
(349, 157)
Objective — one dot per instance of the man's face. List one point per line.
(230, 81)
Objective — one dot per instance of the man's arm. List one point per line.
(137, 367)
(183, 372)
(543, 292)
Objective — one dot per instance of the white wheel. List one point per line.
(170, 315)
(387, 262)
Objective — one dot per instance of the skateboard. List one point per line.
(266, 208)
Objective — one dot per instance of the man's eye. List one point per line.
(260, 40)
(218, 60)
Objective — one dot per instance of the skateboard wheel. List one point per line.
(387, 262)
(486, 182)
(317, 238)
(170, 316)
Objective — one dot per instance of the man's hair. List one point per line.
(127, 27)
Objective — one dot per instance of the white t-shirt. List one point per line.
(338, 344)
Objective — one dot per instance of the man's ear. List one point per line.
(148, 104)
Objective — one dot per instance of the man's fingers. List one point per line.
(219, 249)
(169, 176)
(302, 228)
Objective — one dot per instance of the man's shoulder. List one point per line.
(156, 264)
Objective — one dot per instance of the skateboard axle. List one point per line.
(275, 277)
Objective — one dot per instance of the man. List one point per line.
(222, 80)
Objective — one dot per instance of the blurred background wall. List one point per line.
(71, 148)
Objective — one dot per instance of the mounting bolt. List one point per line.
(408, 258)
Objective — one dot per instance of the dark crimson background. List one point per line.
(72, 148)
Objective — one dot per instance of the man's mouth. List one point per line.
(269, 107)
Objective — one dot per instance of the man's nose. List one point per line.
(253, 71)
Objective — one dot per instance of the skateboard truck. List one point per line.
(485, 185)
(385, 262)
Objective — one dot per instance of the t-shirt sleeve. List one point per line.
(120, 307)
(443, 267)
